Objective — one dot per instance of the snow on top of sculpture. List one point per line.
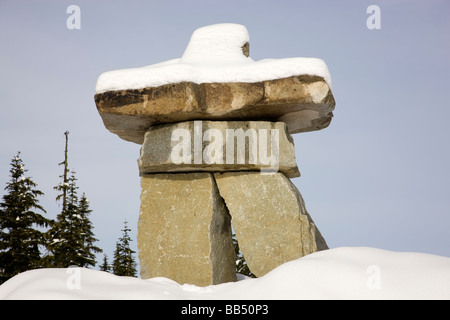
(217, 53)
(221, 43)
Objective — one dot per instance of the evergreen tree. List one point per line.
(87, 238)
(71, 239)
(124, 264)
(56, 237)
(72, 236)
(63, 235)
(19, 238)
(64, 185)
(241, 264)
(105, 265)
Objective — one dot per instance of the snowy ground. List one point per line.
(340, 273)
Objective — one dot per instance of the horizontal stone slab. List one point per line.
(216, 146)
(270, 219)
(303, 102)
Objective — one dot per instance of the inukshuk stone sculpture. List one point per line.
(215, 128)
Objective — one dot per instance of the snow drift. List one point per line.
(340, 273)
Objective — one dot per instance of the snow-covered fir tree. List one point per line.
(19, 218)
(86, 235)
(62, 236)
(124, 263)
(71, 238)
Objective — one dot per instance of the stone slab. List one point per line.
(269, 217)
(217, 146)
(184, 230)
(304, 103)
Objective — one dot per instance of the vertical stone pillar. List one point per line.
(269, 218)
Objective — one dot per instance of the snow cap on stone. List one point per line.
(225, 42)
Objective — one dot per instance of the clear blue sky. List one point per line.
(378, 176)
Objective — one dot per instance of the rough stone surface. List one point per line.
(163, 147)
(184, 230)
(304, 103)
(269, 218)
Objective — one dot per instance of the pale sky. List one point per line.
(378, 176)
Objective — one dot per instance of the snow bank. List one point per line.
(214, 54)
(341, 273)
